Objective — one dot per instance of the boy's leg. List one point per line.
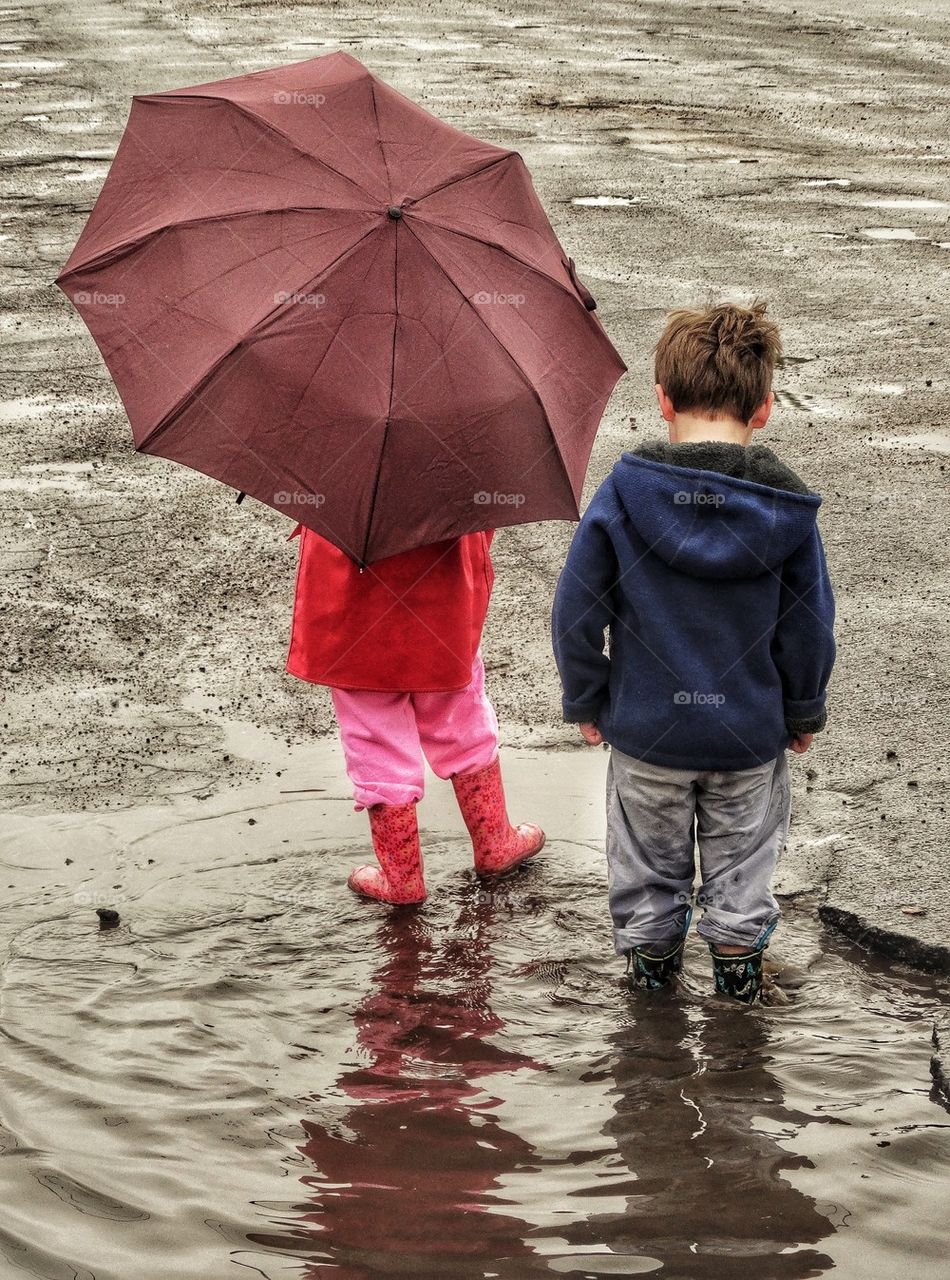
(380, 746)
(742, 824)
(459, 735)
(650, 852)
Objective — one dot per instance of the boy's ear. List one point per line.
(665, 403)
(761, 415)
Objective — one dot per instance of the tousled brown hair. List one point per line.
(718, 358)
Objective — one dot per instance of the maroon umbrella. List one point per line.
(311, 289)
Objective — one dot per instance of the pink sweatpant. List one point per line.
(386, 734)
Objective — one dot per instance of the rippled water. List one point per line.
(256, 1074)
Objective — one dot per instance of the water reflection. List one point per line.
(697, 1118)
(408, 1176)
(407, 1183)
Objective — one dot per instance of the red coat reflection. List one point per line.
(415, 1171)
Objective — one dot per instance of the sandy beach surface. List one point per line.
(683, 151)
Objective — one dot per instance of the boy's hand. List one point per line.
(592, 735)
(801, 742)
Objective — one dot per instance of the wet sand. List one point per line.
(237, 1095)
(745, 151)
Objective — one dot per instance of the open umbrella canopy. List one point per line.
(311, 289)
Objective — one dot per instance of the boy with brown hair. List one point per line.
(700, 557)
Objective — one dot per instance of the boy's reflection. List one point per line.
(694, 1098)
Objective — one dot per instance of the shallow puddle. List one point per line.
(889, 233)
(604, 202)
(901, 202)
(257, 1074)
(934, 441)
(902, 233)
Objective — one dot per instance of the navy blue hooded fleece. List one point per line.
(711, 582)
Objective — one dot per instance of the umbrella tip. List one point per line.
(394, 212)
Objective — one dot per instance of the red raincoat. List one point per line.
(409, 623)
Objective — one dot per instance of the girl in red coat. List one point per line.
(398, 645)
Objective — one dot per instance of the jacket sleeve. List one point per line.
(583, 608)
(803, 646)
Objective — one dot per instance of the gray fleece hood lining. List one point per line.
(755, 463)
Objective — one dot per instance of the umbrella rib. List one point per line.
(272, 128)
(335, 336)
(379, 138)
(206, 377)
(521, 373)
(532, 267)
(389, 411)
(114, 252)
(472, 173)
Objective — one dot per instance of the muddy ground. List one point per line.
(793, 151)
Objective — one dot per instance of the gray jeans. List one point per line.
(656, 818)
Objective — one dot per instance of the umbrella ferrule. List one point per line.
(394, 212)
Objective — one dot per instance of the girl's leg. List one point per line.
(380, 745)
(459, 735)
(384, 762)
(458, 730)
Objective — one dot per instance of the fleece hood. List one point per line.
(713, 509)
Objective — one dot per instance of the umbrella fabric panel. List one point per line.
(296, 416)
(423, 153)
(334, 109)
(188, 159)
(558, 345)
(467, 431)
(322, 107)
(173, 308)
(498, 205)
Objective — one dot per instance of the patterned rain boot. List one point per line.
(654, 966)
(498, 846)
(738, 976)
(398, 878)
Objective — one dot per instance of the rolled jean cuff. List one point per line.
(365, 796)
(752, 936)
(668, 934)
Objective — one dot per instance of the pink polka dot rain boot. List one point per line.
(398, 878)
(498, 846)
